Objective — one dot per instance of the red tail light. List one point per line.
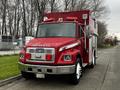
(28, 56)
(48, 57)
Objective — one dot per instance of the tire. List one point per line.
(95, 57)
(93, 63)
(27, 75)
(75, 77)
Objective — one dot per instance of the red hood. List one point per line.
(50, 42)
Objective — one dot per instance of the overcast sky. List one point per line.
(114, 17)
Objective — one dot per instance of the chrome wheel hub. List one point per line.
(78, 71)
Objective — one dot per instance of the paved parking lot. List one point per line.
(105, 76)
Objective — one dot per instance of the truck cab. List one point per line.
(64, 44)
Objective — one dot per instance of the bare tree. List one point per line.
(18, 18)
(41, 7)
(4, 29)
(84, 4)
(102, 31)
(73, 5)
(24, 18)
(97, 6)
(70, 5)
(53, 4)
(31, 17)
(24, 15)
(66, 4)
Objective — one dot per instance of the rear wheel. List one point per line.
(75, 78)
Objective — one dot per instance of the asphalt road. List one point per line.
(105, 76)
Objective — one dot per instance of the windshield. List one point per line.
(56, 30)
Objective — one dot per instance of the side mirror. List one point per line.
(90, 36)
(95, 34)
(88, 33)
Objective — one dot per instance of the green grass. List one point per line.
(8, 66)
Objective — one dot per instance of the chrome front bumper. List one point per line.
(45, 69)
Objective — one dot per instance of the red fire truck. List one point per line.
(64, 44)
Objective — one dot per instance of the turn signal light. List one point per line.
(48, 57)
(28, 56)
(67, 57)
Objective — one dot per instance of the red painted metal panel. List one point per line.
(65, 15)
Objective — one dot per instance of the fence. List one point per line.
(8, 46)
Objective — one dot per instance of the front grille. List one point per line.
(40, 50)
(39, 54)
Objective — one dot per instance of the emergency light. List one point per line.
(84, 16)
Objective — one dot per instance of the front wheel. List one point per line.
(75, 78)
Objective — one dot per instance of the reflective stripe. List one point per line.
(69, 46)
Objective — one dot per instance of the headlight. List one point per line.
(67, 57)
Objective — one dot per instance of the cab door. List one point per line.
(82, 42)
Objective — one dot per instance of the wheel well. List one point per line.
(79, 56)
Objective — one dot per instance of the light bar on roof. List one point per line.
(45, 18)
(84, 16)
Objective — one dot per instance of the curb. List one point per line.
(10, 80)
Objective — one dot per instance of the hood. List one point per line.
(50, 42)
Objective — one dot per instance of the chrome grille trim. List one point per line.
(34, 59)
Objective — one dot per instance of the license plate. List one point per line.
(40, 56)
(40, 75)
